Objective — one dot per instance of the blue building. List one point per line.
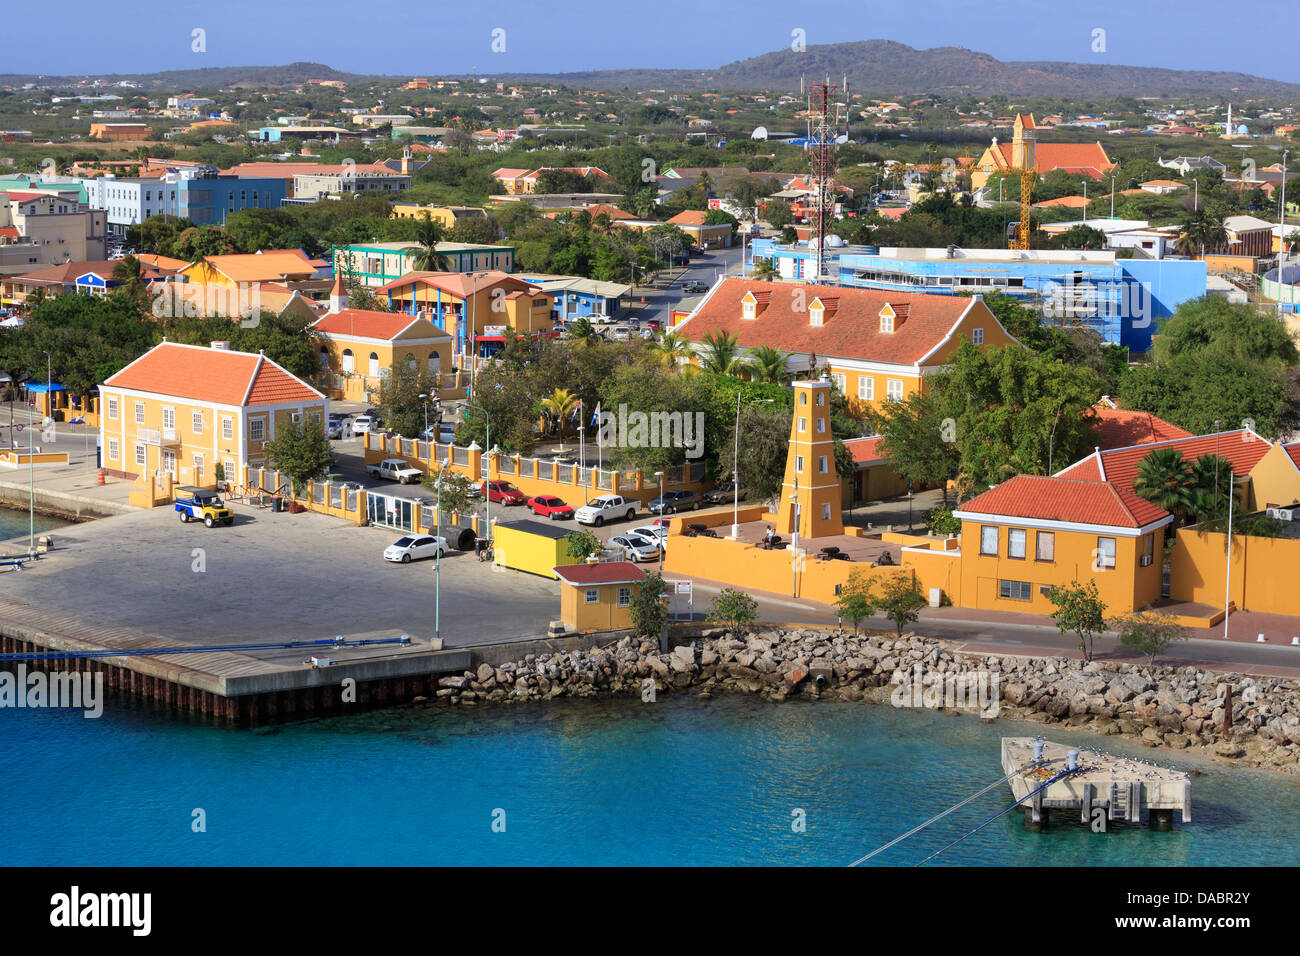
(577, 297)
(206, 200)
(1122, 299)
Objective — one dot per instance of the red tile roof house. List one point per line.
(180, 410)
(1117, 427)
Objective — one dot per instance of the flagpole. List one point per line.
(600, 446)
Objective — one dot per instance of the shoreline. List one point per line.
(1171, 710)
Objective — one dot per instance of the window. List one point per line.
(798, 464)
(139, 454)
(821, 465)
(227, 427)
(198, 468)
(886, 322)
(748, 310)
(821, 425)
(256, 429)
(988, 539)
(112, 408)
(803, 424)
(112, 449)
(196, 422)
(228, 468)
(838, 379)
(139, 413)
(169, 418)
(821, 399)
(1105, 554)
(1016, 590)
(1148, 550)
(624, 596)
(894, 390)
(866, 388)
(826, 511)
(349, 362)
(374, 365)
(1016, 543)
(1045, 546)
(977, 336)
(593, 595)
(815, 314)
(803, 398)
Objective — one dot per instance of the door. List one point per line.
(169, 462)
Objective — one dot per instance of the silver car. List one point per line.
(636, 547)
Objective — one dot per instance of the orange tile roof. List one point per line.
(460, 284)
(1121, 428)
(866, 450)
(1087, 158)
(853, 331)
(689, 217)
(1044, 498)
(266, 266)
(369, 324)
(211, 375)
(1068, 202)
(1293, 452)
(1242, 448)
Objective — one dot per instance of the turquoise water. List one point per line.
(680, 781)
(16, 523)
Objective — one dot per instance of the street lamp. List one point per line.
(487, 441)
(660, 476)
(735, 471)
(437, 559)
(425, 400)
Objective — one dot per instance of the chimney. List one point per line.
(223, 345)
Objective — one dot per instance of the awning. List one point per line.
(42, 387)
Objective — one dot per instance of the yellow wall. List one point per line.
(362, 386)
(1126, 587)
(1263, 571)
(1274, 481)
(523, 551)
(604, 615)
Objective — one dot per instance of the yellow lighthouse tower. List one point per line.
(810, 496)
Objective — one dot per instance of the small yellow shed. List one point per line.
(598, 597)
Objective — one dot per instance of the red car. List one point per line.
(502, 492)
(549, 506)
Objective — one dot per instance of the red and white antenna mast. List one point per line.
(826, 116)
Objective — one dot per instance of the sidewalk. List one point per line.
(73, 485)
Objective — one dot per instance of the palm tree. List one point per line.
(764, 270)
(581, 329)
(428, 233)
(1201, 230)
(722, 354)
(128, 273)
(1164, 478)
(560, 405)
(768, 365)
(672, 349)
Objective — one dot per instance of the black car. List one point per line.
(673, 502)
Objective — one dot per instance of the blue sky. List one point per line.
(441, 37)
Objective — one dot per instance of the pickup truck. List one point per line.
(607, 508)
(394, 469)
(198, 504)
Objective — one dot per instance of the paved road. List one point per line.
(662, 298)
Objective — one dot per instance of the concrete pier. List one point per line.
(1106, 788)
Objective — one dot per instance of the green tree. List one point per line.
(649, 608)
(768, 365)
(721, 354)
(1234, 329)
(921, 439)
(456, 490)
(579, 545)
(855, 601)
(1079, 609)
(300, 450)
(198, 242)
(400, 405)
(428, 233)
(1193, 390)
(1165, 479)
(733, 607)
(157, 234)
(900, 600)
(1149, 632)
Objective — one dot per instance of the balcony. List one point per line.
(161, 437)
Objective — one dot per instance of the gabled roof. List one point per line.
(852, 332)
(690, 217)
(266, 266)
(866, 451)
(1087, 158)
(1242, 448)
(1121, 428)
(1045, 498)
(220, 376)
(460, 284)
(607, 572)
(368, 324)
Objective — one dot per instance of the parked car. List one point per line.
(414, 547)
(339, 426)
(674, 501)
(694, 285)
(725, 494)
(621, 333)
(365, 423)
(648, 334)
(199, 504)
(502, 492)
(549, 506)
(636, 547)
(657, 533)
(607, 508)
(394, 469)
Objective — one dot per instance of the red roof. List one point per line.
(212, 375)
(1241, 448)
(851, 331)
(367, 324)
(690, 217)
(866, 451)
(1121, 428)
(9, 232)
(1293, 452)
(1086, 158)
(607, 572)
(1044, 498)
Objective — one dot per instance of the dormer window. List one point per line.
(815, 314)
(752, 303)
(886, 319)
(748, 308)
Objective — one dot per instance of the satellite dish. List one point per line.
(760, 132)
(842, 138)
(834, 240)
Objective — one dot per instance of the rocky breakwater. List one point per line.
(1182, 708)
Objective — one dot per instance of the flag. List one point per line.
(596, 417)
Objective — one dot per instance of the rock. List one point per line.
(453, 683)
(1105, 725)
(1177, 741)
(485, 673)
(1228, 748)
(684, 654)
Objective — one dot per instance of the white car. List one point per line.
(362, 424)
(414, 547)
(636, 547)
(656, 533)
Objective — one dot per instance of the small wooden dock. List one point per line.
(1105, 788)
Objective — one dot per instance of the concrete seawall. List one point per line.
(60, 504)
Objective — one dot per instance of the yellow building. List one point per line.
(475, 308)
(598, 597)
(273, 265)
(810, 494)
(448, 216)
(876, 346)
(359, 348)
(1031, 532)
(532, 546)
(181, 410)
(1026, 152)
